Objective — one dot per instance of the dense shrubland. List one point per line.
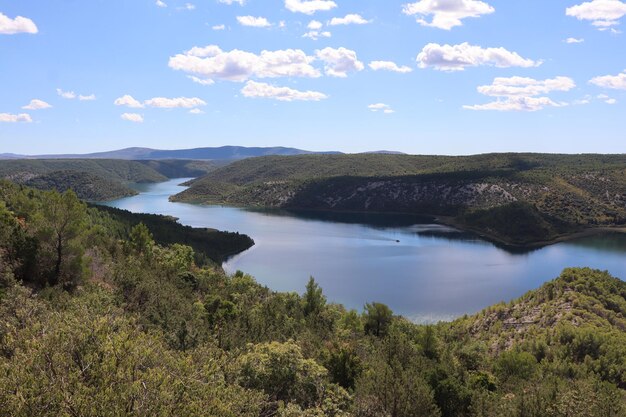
(102, 320)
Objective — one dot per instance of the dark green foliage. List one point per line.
(210, 245)
(377, 318)
(87, 186)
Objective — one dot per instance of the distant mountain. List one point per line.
(216, 153)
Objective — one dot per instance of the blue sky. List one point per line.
(422, 77)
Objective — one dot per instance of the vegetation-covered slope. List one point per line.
(98, 179)
(89, 187)
(118, 325)
(554, 194)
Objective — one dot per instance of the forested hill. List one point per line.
(518, 199)
(98, 179)
(99, 319)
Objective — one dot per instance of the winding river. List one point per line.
(425, 272)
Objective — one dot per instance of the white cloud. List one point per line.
(212, 63)
(70, 95)
(196, 111)
(218, 27)
(315, 35)
(601, 13)
(257, 22)
(520, 93)
(522, 86)
(610, 101)
(229, 2)
(388, 66)
(188, 6)
(385, 108)
(309, 6)
(36, 104)
(128, 101)
(20, 24)
(574, 40)
(14, 118)
(132, 117)
(160, 3)
(616, 82)
(338, 62)
(314, 25)
(90, 97)
(201, 81)
(171, 103)
(446, 14)
(350, 19)
(254, 89)
(517, 104)
(458, 57)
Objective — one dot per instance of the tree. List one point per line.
(61, 222)
(314, 300)
(377, 319)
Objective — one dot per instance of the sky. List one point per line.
(424, 77)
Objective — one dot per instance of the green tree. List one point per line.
(314, 300)
(377, 317)
(61, 223)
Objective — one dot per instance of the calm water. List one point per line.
(423, 271)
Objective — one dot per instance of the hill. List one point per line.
(228, 153)
(102, 319)
(546, 196)
(87, 186)
(99, 179)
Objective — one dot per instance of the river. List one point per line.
(425, 272)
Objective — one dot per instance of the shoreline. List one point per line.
(442, 220)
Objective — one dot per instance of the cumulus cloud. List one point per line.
(385, 108)
(610, 101)
(601, 13)
(523, 86)
(574, 40)
(350, 19)
(20, 24)
(309, 6)
(218, 27)
(257, 22)
(229, 2)
(160, 3)
(90, 97)
(132, 117)
(388, 66)
(458, 57)
(201, 81)
(128, 101)
(15, 118)
(36, 104)
(315, 25)
(255, 89)
(212, 63)
(70, 95)
(520, 93)
(446, 14)
(616, 82)
(171, 103)
(196, 111)
(315, 35)
(338, 62)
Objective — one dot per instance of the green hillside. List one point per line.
(100, 319)
(554, 195)
(87, 186)
(99, 179)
